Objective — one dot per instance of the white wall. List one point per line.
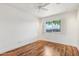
(78, 25)
(69, 27)
(17, 28)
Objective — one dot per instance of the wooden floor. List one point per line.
(43, 48)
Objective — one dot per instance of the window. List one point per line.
(53, 26)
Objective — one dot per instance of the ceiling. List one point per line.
(52, 8)
(56, 8)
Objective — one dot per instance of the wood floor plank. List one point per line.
(38, 48)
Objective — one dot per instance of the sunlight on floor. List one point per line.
(50, 51)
